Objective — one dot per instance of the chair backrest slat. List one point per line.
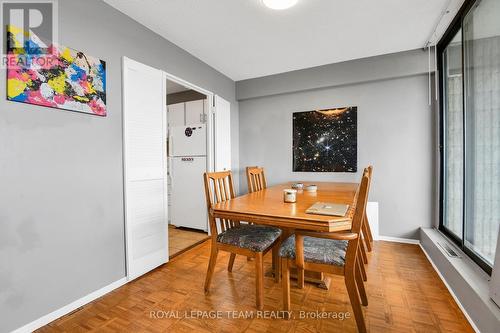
(256, 179)
(219, 187)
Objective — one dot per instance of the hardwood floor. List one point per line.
(404, 292)
(182, 239)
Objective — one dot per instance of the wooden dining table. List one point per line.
(267, 207)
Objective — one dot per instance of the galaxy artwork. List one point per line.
(60, 78)
(325, 140)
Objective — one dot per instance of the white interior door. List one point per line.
(144, 131)
(222, 134)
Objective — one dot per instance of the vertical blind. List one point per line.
(482, 73)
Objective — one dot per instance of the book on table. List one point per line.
(328, 208)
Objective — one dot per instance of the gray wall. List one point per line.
(61, 204)
(340, 74)
(395, 130)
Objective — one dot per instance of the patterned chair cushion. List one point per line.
(317, 250)
(253, 237)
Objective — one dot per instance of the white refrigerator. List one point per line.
(187, 163)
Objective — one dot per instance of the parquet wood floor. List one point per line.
(180, 239)
(405, 295)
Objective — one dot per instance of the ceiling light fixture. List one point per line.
(279, 4)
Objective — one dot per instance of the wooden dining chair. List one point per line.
(361, 249)
(334, 253)
(235, 237)
(256, 179)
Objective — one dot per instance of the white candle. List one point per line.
(290, 195)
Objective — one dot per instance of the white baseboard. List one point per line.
(399, 240)
(70, 307)
(469, 319)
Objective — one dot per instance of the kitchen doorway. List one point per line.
(188, 112)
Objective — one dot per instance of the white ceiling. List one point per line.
(243, 39)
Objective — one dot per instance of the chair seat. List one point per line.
(256, 238)
(317, 250)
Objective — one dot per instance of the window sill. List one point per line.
(467, 282)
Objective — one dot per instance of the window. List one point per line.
(470, 130)
(453, 136)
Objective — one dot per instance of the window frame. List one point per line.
(451, 31)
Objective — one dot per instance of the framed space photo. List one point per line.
(325, 140)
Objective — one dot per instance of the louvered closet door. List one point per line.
(144, 128)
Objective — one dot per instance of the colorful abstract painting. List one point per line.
(325, 140)
(63, 78)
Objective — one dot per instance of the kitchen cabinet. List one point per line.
(193, 112)
(176, 115)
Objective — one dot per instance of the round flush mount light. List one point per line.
(279, 4)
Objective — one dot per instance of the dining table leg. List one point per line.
(319, 279)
